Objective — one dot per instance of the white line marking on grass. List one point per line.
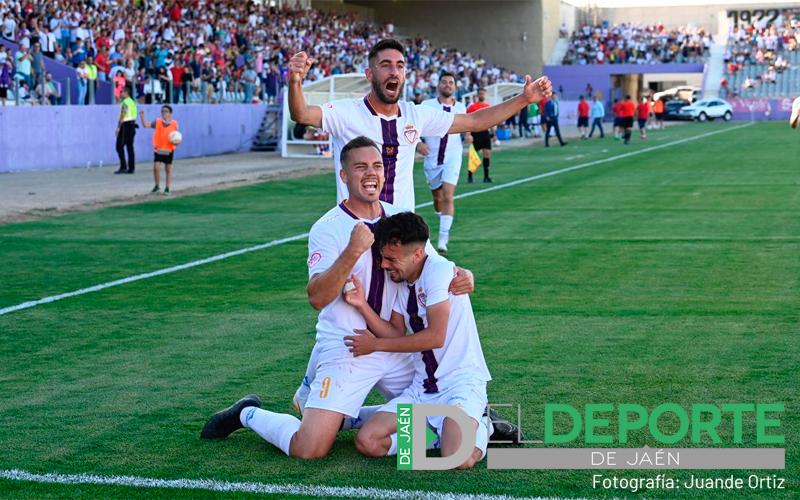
(591, 163)
(260, 488)
(215, 258)
(168, 270)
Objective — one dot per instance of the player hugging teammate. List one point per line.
(372, 270)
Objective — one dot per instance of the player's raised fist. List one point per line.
(299, 65)
(536, 90)
(361, 238)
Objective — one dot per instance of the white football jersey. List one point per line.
(453, 150)
(328, 238)
(397, 136)
(461, 355)
(795, 110)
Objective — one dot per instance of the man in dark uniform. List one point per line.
(126, 131)
(551, 117)
(482, 140)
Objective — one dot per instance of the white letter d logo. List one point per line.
(419, 423)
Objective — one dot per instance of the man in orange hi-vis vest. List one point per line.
(658, 107)
(164, 148)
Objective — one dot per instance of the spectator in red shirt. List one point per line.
(178, 72)
(102, 41)
(643, 114)
(101, 61)
(583, 117)
(175, 12)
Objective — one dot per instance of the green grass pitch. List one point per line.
(669, 276)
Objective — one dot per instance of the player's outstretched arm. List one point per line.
(324, 287)
(145, 124)
(534, 91)
(433, 337)
(300, 112)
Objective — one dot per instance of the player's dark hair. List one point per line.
(167, 106)
(402, 228)
(386, 43)
(628, 97)
(447, 73)
(357, 143)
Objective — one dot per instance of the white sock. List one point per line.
(363, 415)
(302, 392)
(276, 428)
(445, 223)
(393, 448)
(482, 435)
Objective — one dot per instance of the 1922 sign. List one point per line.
(754, 16)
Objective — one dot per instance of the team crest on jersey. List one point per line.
(421, 296)
(314, 259)
(411, 134)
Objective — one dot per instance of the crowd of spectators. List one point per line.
(207, 51)
(427, 63)
(765, 45)
(630, 43)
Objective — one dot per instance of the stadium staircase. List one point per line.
(269, 134)
(715, 69)
(559, 51)
(787, 83)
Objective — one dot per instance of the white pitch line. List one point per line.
(258, 488)
(591, 163)
(168, 270)
(215, 258)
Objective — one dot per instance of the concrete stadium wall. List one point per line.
(47, 137)
(493, 30)
(548, 25)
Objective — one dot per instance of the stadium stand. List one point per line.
(193, 51)
(763, 60)
(629, 43)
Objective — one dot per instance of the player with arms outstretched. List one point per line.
(396, 126)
